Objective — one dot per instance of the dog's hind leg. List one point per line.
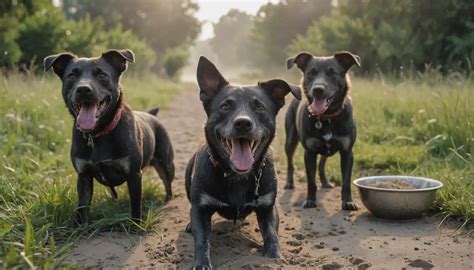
(291, 142)
(325, 183)
(163, 159)
(167, 177)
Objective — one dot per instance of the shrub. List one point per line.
(9, 51)
(174, 60)
(83, 37)
(48, 32)
(41, 34)
(117, 38)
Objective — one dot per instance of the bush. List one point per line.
(83, 37)
(48, 32)
(336, 33)
(117, 38)
(174, 60)
(9, 51)
(41, 34)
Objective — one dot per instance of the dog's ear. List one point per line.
(210, 80)
(277, 89)
(301, 60)
(59, 62)
(347, 59)
(118, 59)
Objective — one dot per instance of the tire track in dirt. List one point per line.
(323, 237)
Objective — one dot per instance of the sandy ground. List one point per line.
(325, 237)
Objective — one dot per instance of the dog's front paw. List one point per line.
(351, 206)
(289, 185)
(309, 204)
(202, 267)
(273, 252)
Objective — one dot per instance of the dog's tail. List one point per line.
(154, 111)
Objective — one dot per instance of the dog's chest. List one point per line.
(236, 201)
(108, 171)
(322, 137)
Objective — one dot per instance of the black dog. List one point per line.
(110, 142)
(233, 174)
(323, 123)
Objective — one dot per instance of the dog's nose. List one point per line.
(243, 124)
(318, 89)
(84, 91)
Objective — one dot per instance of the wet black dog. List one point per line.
(233, 174)
(110, 142)
(323, 123)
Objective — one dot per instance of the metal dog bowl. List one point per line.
(394, 203)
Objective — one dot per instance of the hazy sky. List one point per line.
(211, 10)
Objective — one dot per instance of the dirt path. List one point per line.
(322, 237)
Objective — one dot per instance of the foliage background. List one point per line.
(31, 30)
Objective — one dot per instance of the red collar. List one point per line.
(329, 116)
(111, 126)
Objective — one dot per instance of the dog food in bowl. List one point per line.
(397, 197)
(392, 184)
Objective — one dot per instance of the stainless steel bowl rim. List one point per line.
(438, 183)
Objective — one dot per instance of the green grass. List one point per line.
(417, 127)
(414, 127)
(37, 180)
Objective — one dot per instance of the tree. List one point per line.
(393, 35)
(231, 38)
(22, 8)
(276, 25)
(163, 24)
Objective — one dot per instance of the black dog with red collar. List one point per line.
(110, 142)
(324, 122)
(233, 174)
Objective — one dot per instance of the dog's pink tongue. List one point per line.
(318, 106)
(86, 119)
(241, 155)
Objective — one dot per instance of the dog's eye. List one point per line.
(71, 76)
(101, 76)
(225, 108)
(259, 107)
(313, 71)
(331, 72)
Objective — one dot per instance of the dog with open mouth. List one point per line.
(233, 174)
(323, 123)
(110, 142)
